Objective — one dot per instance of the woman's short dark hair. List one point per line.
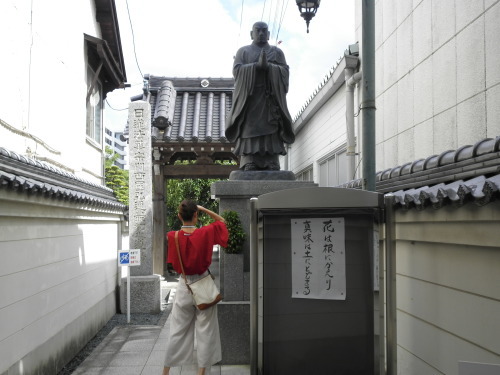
(187, 208)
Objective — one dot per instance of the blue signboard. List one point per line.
(124, 258)
(129, 257)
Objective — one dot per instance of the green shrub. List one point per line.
(237, 235)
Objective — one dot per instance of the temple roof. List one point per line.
(188, 110)
(188, 123)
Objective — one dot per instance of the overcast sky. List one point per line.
(198, 38)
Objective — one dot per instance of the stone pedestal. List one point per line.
(235, 195)
(145, 295)
(234, 314)
(234, 323)
(234, 280)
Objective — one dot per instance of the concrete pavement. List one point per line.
(140, 350)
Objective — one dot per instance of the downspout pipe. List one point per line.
(351, 79)
(390, 286)
(368, 93)
(254, 289)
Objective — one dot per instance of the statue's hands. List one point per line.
(262, 63)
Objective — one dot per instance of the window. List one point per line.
(94, 106)
(104, 74)
(333, 169)
(306, 174)
(119, 147)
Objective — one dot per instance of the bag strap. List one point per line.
(180, 259)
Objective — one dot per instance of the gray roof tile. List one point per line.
(469, 174)
(189, 109)
(29, 176)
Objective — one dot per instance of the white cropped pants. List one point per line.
(186, 321)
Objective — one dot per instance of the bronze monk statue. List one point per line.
(259, 121)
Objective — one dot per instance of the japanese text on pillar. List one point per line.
(318, 258)
(137, 178)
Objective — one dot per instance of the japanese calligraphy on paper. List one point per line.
(318, 258)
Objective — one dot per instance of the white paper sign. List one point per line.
(318, 258)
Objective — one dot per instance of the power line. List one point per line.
(237, 40)
(269, 18)
(275, 21)
(241, 20)
(114, 109)
(241, 14)
(133, 38)
(278, 17)
(29, 66)
(283, 11)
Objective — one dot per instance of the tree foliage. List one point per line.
(196, 189)
(237, 234)
(115, 177)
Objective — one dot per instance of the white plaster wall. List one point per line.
(437, 76)
(57, 279)
(43, 80)
(447, 280)
(325, 132)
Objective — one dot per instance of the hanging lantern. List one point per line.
(307, 9)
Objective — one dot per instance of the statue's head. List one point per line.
(260, 33)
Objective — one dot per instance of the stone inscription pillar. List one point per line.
(140, 186)
(145, 291)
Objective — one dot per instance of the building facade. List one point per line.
(436, 88)
(60, 226)
(437, 151)
(118, 144)
(437, 80)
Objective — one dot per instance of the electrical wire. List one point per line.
(241, 14)
(241, 22)
(276, 12)
(263, 9)
(356, 170)
(269, 16)
(114, 109)
(283, 12)
(29, 69)
(133, 38)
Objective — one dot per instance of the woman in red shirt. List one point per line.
(195, 246)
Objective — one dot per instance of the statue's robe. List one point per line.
(259, 121)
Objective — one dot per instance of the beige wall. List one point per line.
(58, 276)
(437, 76)
(448, 295)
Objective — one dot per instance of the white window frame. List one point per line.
(331, 157)
(95, 106)
(306, 174)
